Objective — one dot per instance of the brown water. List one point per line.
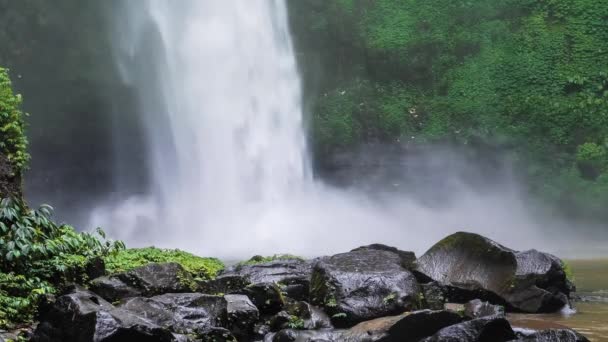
(591, 317)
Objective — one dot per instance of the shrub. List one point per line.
(37, 257)
(124, 260)
(14, 142)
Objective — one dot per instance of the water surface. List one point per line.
(591, 317)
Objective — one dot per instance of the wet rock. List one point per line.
(266, 297)
(435, 295)
(362, 285)
(149, 280)
(241, 314)
(290, 335)
(471, 266)
(408, 259)
(553, 335)
(217, 335)
(476, 309)
(82, 316)
(113, 289)
(293, 275)
(280, 321)
(312, 317)
(409, 327)
(227, 284)
(182, 313)
(486, 329)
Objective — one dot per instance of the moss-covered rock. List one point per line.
(470, 266)
(198, 267)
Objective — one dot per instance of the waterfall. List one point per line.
(220, 101)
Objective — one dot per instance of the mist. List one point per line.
(140, 172)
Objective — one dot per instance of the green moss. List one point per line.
(13, 142)
(568, 271)
(295, 322)
(258, 259)
(199, 267)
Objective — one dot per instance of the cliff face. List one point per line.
(10, 179)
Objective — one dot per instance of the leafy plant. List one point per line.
(38, 256)
(14, 142)
(199, 267)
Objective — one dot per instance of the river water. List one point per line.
(591, 317)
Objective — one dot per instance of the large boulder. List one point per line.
(471, 266)
(408, 327)
(82, 316)
(182, 313)
(486, 329)
(292, 275)
(408, 259)
(362, 285)
(149, 280)
(552, 335)
(241, 314)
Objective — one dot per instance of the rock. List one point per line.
(82, 316)
(293, 275)
(553, 335)
(476, 309)
(280, 321)
(266, 297)
(290, 335)
(227, 284)
(362, 285)
(408, 259)
(471, 266)
(435, 295)
(182, 313)
(149, 280)
(312, 317)
(409, 327)
(113, 289)
(486, 329)
(242, 315)
(218, 335)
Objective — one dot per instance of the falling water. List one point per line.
(220, 101)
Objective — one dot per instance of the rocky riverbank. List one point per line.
(459, 290)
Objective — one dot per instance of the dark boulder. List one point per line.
(241, 315)
(408, 259)
(292, 275)
(149, 280)
(226, 284)
(267, 297)
(553, 335)
(408, 327)
(182, 313)
(471, 266)
(477, 309)
(362, 285)
(82, 316)
(486, 329)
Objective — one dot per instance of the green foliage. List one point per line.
(295, 322)
(203, 268)
(13, 142)
(568, 271)
(527, 76)
(37, 256)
